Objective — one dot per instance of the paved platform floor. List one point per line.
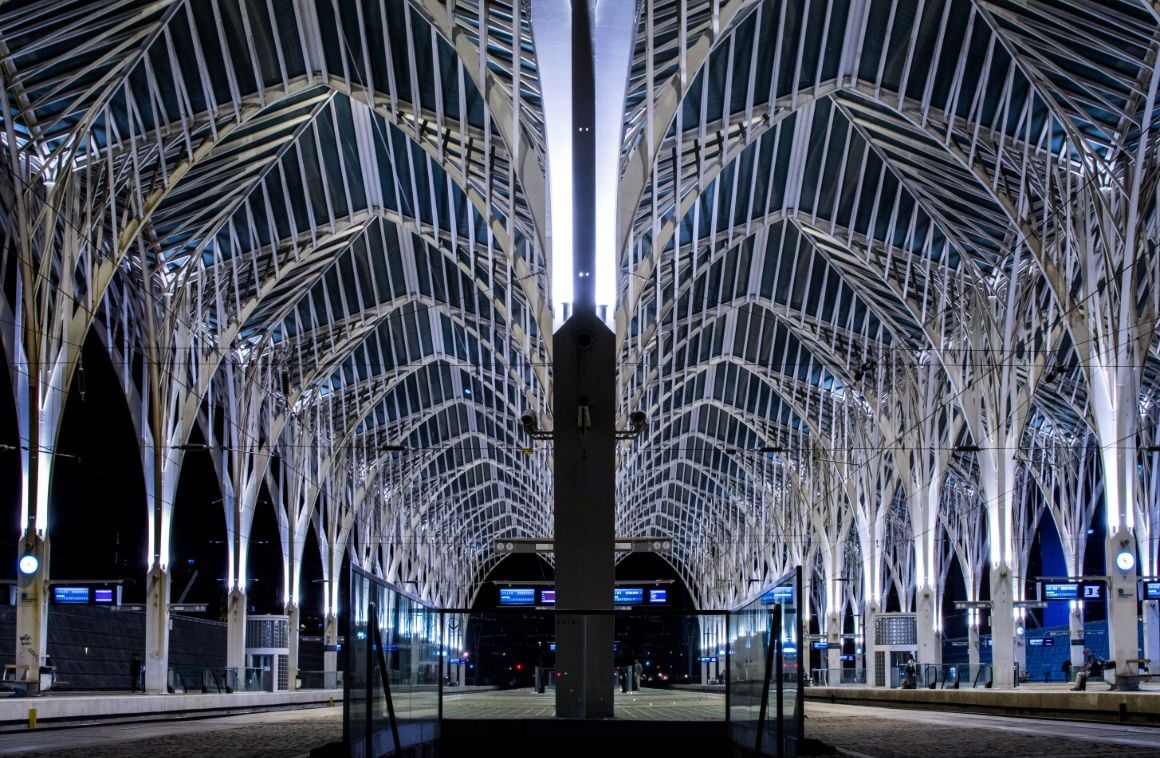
(854, 730)
(890, 733)
(281, 734)
(647, 704)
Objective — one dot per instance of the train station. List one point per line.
(546, 377)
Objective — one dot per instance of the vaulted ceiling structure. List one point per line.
(852, 236)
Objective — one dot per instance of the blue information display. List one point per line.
(820, 645)
(1061, 590)
(103, 596)
(547, 597)
(1073, 591)
(658, 597)
(517, 596)
(627, 595)
(70, 595)
(1152, 590)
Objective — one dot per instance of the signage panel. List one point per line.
(658, 596)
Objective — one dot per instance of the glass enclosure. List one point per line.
(392, 669)
(409, 666)
(765, 676)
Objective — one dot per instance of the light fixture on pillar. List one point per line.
(532, 429)
(1125, 558)
(28, 564)
(637, 421)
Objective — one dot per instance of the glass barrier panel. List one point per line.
(393, 669)
(765, 678)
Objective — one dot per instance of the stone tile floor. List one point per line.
(853, 730)
(279, 734)
(893, 733)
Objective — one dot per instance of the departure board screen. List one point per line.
(627, 595)
(517, 596)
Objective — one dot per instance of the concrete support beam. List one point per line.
(585, 435)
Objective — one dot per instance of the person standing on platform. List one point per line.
(911, 674)
(135, 673)
(1066, 669)
(637, 673)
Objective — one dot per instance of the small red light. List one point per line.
(519, 667)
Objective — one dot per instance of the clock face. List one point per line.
(29, 564)
(1125, 560)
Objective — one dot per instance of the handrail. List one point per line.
(376, 642)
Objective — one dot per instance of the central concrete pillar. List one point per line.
(32, 609)
(585, 435)
(157, 631)
(584, 402)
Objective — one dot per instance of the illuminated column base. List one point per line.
(973, 647)
(834, 649)
(1123, 620)
(292, 615)
(1002, 628)
(157, 631)
(1151, 611)
(1075, 632)
(868, 646)
(236, 631)
(330, 652)
(929, 643)
(32, 610)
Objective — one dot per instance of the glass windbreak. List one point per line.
(765, 677)
(510, 661)
(393, 668)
